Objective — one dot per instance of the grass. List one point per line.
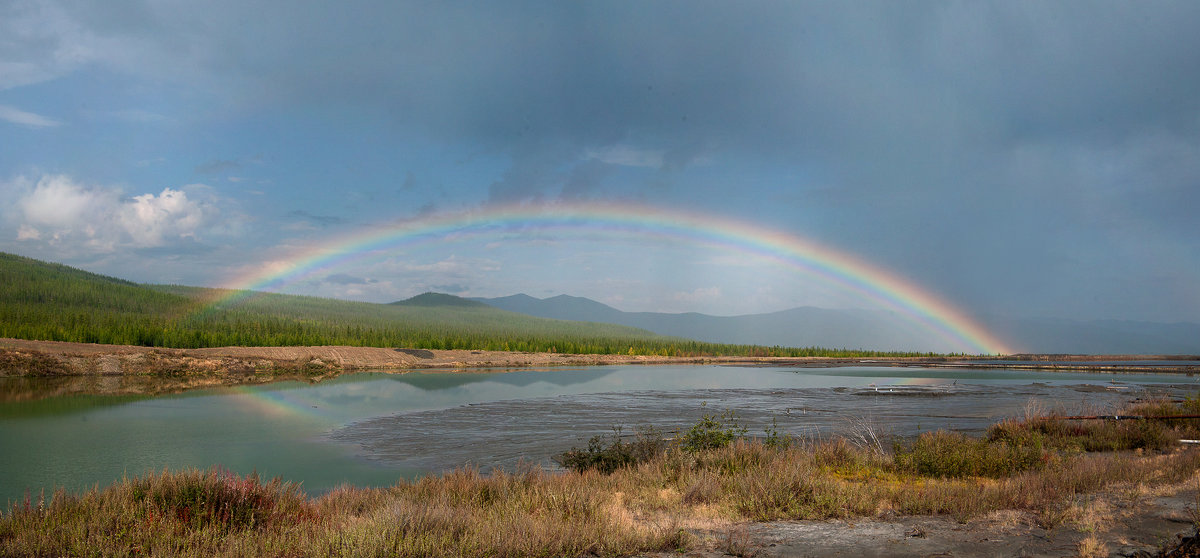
(620, 506)
(952, 454)
(1053, 431)
(531, 513)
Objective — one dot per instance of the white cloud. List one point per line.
(57, 202)
(18, 116)
(67, 214)
(150, 220)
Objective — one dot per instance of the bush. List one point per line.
(609, 453)
(607, 458)
(712, 432)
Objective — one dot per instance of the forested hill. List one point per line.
(53, 302)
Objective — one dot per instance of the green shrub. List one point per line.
(712, 432)
(607, 458)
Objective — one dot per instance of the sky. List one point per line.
(1016, 158)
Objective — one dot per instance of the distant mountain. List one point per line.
(430, 300)
(561, 307)
(869, 329)
(798, 327)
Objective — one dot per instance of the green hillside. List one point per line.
(53, 302)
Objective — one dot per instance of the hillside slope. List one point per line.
(46, 301)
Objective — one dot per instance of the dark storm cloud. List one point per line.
(819, 82)
(874, 96)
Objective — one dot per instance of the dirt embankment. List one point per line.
(54, 358)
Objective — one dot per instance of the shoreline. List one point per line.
(22, 357)
(53, 368)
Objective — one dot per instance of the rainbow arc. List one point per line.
(807, 257)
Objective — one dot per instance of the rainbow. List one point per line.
(835, 267)
(277, 401)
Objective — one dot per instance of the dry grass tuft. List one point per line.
(1092, 547)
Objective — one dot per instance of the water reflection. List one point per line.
(371, 429)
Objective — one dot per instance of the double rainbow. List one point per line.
(835, 267)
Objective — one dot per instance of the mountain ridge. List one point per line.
(874, 329)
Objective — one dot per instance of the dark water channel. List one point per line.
(372, 429)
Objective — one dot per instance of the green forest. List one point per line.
(54, 302)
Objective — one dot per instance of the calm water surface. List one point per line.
(373, 429)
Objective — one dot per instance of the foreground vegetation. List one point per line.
(1043, 465)
(51, 302)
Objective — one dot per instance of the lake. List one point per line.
(372, 429)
